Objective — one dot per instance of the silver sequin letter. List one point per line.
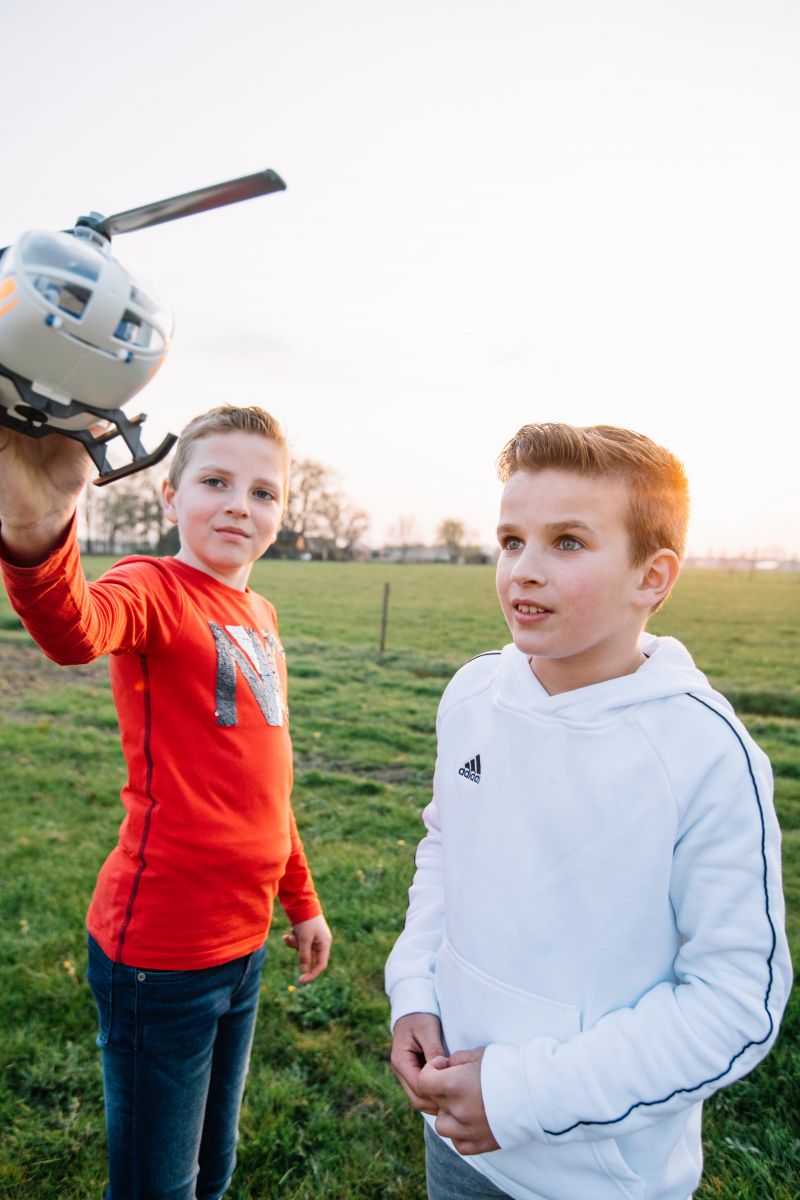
(243, 648)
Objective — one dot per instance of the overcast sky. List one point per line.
(497, 211)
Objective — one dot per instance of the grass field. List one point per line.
(323, 1116)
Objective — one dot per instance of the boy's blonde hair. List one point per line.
(658, 492)
(227, 418)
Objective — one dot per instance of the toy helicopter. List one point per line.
(79, 337)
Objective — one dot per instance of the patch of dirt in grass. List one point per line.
(396, 774)
(24, 670)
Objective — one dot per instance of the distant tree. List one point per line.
(310, 484)
(169, 542)
(341, 525)
(474, 553)
(356, 525)
(471, 549)
(128, 511)
(450, 534)
(113, 513)
(317, 509)
(404, 534)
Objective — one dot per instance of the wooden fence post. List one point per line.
(385, 617)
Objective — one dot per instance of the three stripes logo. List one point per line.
(472, 770)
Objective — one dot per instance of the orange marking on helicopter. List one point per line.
(8, 307)
(8, 287)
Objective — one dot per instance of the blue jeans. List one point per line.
(450, 1177)
(175, 1049)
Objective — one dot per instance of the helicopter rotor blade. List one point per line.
(214, 196)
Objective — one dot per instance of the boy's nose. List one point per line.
(529, 567)
(236, 504)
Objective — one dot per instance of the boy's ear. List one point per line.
(168, 502)
(659, 575)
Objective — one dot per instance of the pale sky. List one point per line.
(498, 211)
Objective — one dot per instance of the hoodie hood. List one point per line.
(668, 671)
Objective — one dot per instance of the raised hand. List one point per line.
(40, 482)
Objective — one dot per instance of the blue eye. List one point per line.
(570, 544)
(511, 543)
(263, 494)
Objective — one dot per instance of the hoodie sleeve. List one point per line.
(683, 1039)
(410, 966)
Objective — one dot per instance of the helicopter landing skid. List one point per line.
(34, 422)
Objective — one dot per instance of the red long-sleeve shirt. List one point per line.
(199, 681)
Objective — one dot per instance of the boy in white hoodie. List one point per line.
(594, 941)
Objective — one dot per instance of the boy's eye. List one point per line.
(213, 481)
(511, 543)
(567, 542)
(264, 494)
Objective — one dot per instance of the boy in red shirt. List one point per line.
(182, 906)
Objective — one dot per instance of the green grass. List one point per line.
(323, 1116)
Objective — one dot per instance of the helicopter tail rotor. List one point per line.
(215, 196)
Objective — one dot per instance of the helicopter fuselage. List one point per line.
(78, 337)
(75, 325)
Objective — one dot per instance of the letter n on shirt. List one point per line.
(240, 647)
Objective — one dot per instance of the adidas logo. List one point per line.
(472, 770)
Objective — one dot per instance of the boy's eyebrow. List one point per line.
(573, 523)
(213, 467)
(553, 526)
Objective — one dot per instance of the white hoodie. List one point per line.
(597, 901)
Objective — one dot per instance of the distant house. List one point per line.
(308, 548)
(288, 544)
(319, 549)
(432, 554)
(742, 563)
(415, 554)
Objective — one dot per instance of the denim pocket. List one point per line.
(100, 977)
(151, 978)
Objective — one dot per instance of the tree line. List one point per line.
(321, 520)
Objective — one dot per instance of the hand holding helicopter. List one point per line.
(79, 337)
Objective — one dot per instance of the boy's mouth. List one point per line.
(231, 529)
(529, 609)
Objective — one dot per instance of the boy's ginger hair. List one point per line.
(658, 492)
(227, 418)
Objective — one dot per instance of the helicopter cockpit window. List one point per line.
(71, 298)
(157, 314)
(49, 252)
(135, 331)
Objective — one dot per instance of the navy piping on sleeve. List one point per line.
(755, 1041)
(148, 786)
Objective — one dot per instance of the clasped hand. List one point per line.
(446, 1086)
